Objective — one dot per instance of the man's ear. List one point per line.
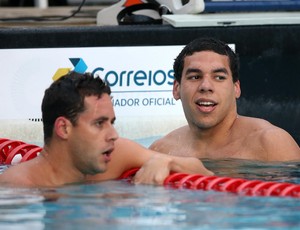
(176, 90)
(237, 88)
(62, 127)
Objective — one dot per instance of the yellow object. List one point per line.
(60, 72)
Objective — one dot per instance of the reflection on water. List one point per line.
(120, 205)
(21, 209)
(281, 172)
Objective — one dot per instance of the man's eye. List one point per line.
(193, 77)
(99, 123)
(220, 78)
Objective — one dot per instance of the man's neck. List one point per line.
(215, 139)
(59, 168)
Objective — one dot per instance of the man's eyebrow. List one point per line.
(193, 70)
(105, 118)
(101, 118)
(217, 70)
(220, 70)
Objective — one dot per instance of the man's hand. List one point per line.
(159, 166)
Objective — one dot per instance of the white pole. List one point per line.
(43, 4)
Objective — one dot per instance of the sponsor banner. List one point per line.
(141, 78)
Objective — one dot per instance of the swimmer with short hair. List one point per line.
(81, 143)
(207, 82)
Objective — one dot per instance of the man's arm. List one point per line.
(156, 166)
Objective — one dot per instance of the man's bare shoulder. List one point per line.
(259, 126)
(171, 140)
(16, 175)
(276, 143)
(279, 145)
(254, 122)
(249, 138)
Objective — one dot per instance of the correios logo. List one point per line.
(79, 66)
(136, 78)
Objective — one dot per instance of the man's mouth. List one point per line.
(107, 154)
(206, 103)
(206, 106)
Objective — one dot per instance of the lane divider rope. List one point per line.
(225, 184)
(14, 151)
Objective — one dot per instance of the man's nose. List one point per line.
(113, 134)
(206, 84)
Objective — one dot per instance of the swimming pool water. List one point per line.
(121, 205)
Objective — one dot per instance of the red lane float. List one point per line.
(226, 184)
(7, 145)
(9, 149)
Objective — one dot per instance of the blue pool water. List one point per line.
(121, 205)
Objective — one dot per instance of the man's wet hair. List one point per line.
(65, 97)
